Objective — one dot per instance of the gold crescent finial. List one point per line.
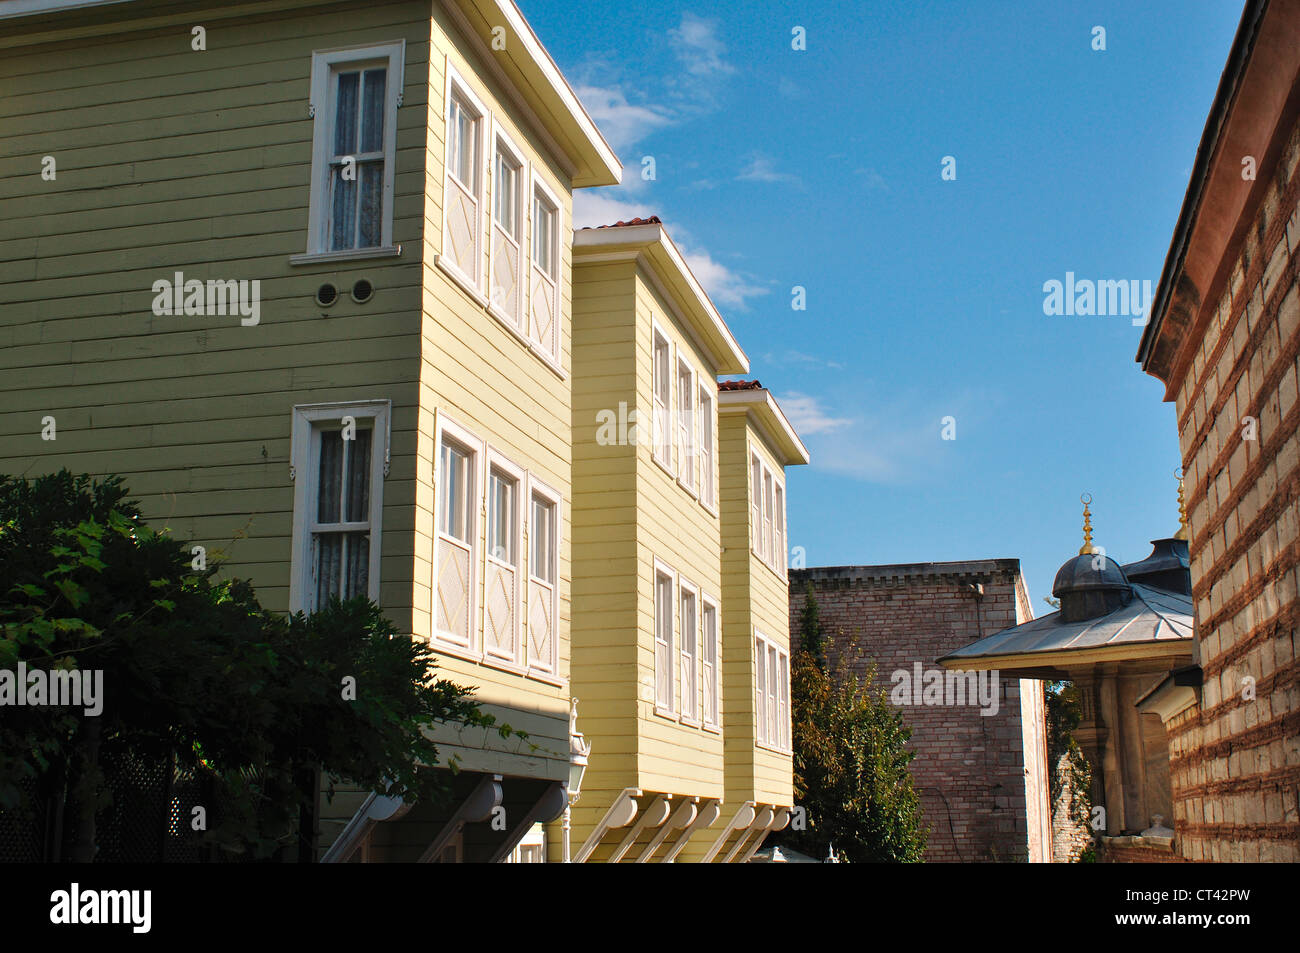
(1087, 549)
(1182, 507)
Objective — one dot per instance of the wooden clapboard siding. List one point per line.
(755, 598)
(628, 513)
(475, 372)
(673, 527)
(170, 159)
(604, 536)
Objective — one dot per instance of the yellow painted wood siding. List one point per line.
(604, 536)
(754, 599)
(478, 373)
(171, 160)
(674, 527)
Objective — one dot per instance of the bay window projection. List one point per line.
(690, 654)
(663, 641)
(501, 596)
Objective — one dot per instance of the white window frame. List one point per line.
(304, 471)
(661, 448)
(662, 569)
(547, 350)
(449, 429)
(547, 668)
(689, 662)
(495, 460)
(456, 85)
(768, 538)
(684, 424)
(771, 695)
(324, 63)
(711, 720)
(503, 143)
(706, 411)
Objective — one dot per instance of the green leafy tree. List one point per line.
(851, 770)
(810, 628)
(194, 668)
(850, 761)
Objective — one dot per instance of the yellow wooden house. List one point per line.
(379, 403)
(304, 274)
(659, 490)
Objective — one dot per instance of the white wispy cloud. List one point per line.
(799, 357)
(699, 48)
(807, 415)
(591, 208)
(622, 123)
(761, 169)
(873, 179)
(724, 285)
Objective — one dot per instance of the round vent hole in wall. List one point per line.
(326, 295)
(362, 291)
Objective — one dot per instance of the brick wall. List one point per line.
(1235, 760)
(970, 770)
(1070, 837)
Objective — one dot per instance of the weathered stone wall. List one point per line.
(970, 771)
(1235, 760)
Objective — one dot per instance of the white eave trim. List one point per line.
(591, 243)
(768, 411)
(26, 8)
(542, 60)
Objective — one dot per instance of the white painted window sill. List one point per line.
(351, 254)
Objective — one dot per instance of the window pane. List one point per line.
(501, 517)
(771, 694)
(544, 236)
(358, 478)
(329, 567)
(357, 577)
(345, 114)
(343, 216)
(329, 484)
(372, 113)
(372, 204)
(542, 538)
(506, 191)
(455, 492)
(760, 691)
(463, 129)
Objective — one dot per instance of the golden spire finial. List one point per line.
(1087, 549)
(1182, 507)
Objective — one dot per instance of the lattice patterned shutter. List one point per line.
(453, 590)
(541, 626)
(500, 611)
(461, 237)
(507, 289)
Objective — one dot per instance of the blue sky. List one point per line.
(821, 168)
